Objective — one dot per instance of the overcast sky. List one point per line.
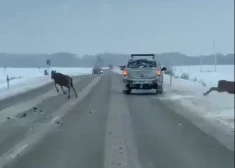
(120, 26)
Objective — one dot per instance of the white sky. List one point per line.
(120, 26)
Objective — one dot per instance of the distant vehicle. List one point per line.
(143, 73)
(97, 71)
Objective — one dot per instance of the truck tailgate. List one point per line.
(141, 73)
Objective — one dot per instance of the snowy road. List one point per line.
(102, 128)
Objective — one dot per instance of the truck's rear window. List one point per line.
(142, 63)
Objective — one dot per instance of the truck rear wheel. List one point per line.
(159, 91)
(128, 91)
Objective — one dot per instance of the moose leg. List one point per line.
(69, 92)
(62, 89)
(75, 91)
(212, 89)
(71, 84)
(56, 88)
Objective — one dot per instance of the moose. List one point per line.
(223, 86)
(63, 80)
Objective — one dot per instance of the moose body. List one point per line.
(223, 86)
(63, 80)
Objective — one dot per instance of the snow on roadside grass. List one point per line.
(31, 78)
(33, 72)
(22, 85)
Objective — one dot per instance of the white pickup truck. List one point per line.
(142, 73)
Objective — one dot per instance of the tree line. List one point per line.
(66, 59)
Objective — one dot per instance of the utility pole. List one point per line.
(215, 56)
(200, 58)
(171, 69)
(4, 70)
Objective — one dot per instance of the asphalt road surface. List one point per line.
(102, 128)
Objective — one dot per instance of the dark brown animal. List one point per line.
(223, 86)
(63, 80)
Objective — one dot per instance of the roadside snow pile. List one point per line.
(30, 78)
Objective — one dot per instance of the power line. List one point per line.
(215, 55)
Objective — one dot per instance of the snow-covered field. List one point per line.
(188, 94)
(29, 78)
(206, 73)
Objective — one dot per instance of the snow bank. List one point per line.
(30, 78)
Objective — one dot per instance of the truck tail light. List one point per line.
(124, 72)
(158, 72)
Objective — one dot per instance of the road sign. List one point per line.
(48, 62)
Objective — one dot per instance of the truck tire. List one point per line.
(128, 91)
(159, 91)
